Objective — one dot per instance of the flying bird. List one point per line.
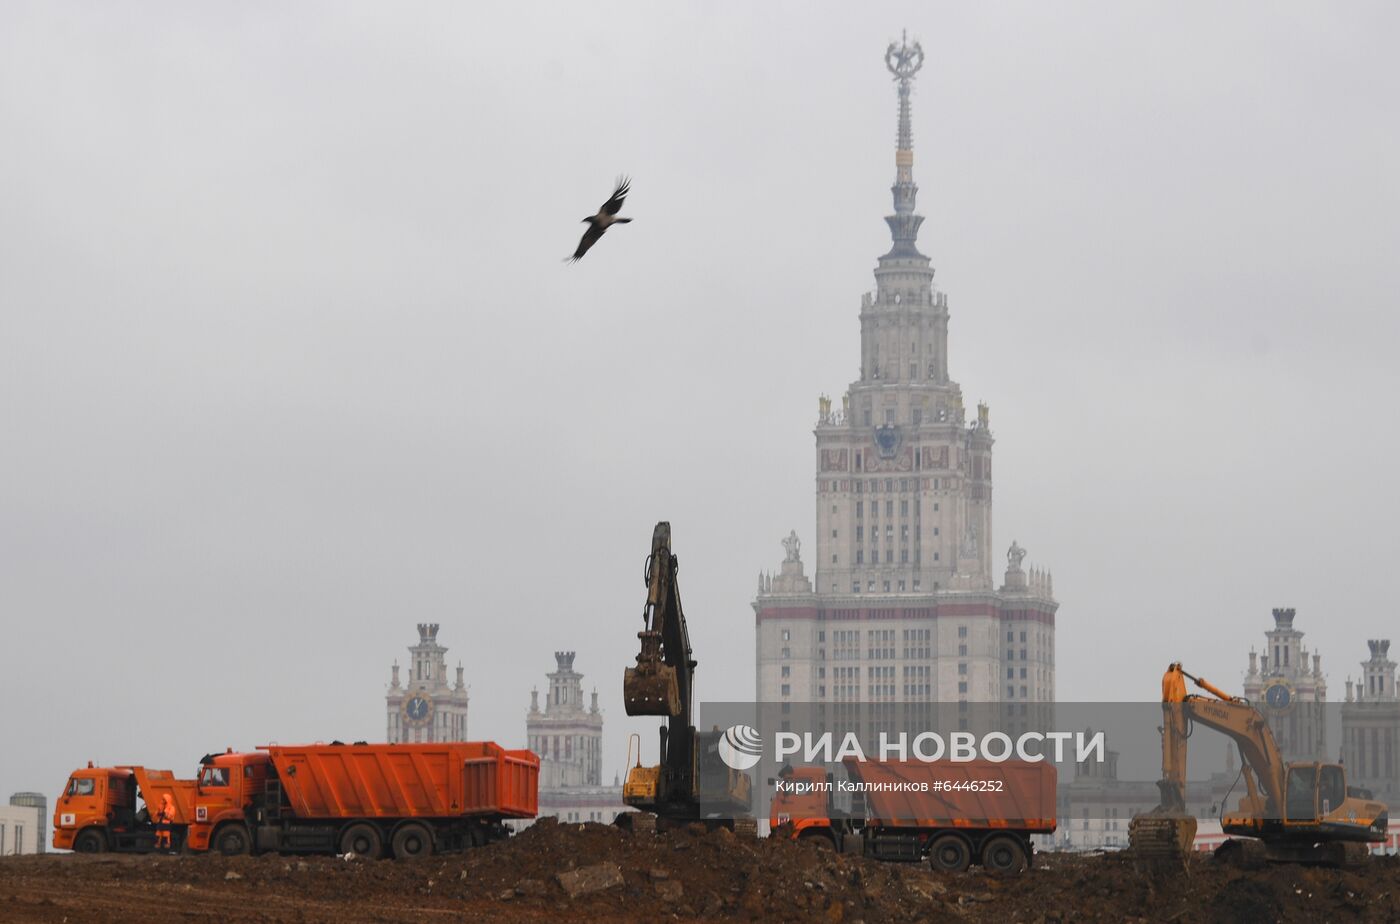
(606, 218)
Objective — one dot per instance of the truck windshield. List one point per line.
(81, 787)
(214, 776)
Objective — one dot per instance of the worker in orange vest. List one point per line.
(164, 819)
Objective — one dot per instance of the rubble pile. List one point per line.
(591, 872)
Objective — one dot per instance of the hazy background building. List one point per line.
(568, 737)
(21, 828)
(426, 707)
(1287, 684)
(1371, 726)
(907, 600)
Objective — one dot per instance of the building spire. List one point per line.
(904, 61)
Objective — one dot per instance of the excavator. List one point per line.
(1300, 812)
(663, 684)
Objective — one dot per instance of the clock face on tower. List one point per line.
(1279, 695)
(418, 710)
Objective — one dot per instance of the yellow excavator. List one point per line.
(1300, 812)
(690, 783)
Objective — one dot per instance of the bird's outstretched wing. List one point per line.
(614, 205)
(590, 237)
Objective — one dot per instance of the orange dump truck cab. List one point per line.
(118, 809)
(372, 800)
(951, 814)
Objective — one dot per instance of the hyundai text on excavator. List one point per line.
(663, 684)
(1300, 812)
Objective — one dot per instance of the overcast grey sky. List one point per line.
(289, 361)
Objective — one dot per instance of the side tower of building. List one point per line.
(1371, 726)
(902, 603)
(1288, 684)
(568, 737)
(426, 708)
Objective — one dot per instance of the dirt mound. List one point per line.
(591, 872)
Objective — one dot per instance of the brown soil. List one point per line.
(678, 875)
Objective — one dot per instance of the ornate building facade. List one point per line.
(1371, 726)
(568, 737)
(903, 603)
(426, 707)
(1288, 685)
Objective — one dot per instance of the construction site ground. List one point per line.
(569, 872)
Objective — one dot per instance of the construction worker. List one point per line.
(165, 817)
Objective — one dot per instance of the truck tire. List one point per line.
(90, 840)
(1004, 855)
(413, 840)
(950, 853)
(363, 840)
(233, 841)
(821, 840)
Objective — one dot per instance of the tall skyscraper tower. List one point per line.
(902, 604)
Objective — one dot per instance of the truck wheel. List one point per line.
(362, 840)
(413, 841)
(818, 839)
(950, 854)
(90, 841)
(1004, 855)
(232, 841)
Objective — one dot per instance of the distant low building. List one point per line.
(36, 800)
(21, 830)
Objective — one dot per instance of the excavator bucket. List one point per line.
(1161, 836)
(651, 688)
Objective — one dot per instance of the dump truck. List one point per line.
(951, 814)
(372, 800)
(98, 810)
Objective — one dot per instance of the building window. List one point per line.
(860, 511)
(889, 559)
(833, 558)
(1010, 692)
(962, 651)
(901, 587)
(962, 631)
(889, 504)
(860, 556)
(787, 635)
(787, 689)
(1023, 673)
(887, 587)
(1010, 673)
(962, 687)
(904, 556)
(962, 669)
(860, 534)
(787, 671)
(787, 652)
(1023, 636)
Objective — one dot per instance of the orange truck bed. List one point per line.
(456, 779)
(976, 794)
(156, 783)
